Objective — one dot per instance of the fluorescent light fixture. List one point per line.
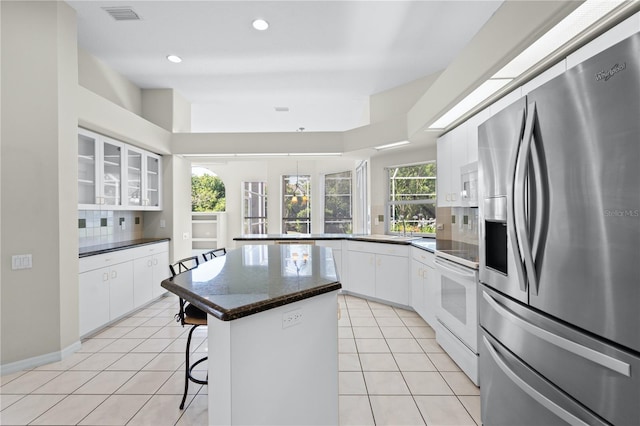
(208, 155)
(315, 154)
(485, 90)
(392, 145)
(173, 58)
(269, 154)
(261, 154)
(579, 20)
(571, 26)
(260, 24)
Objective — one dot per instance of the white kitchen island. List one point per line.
(273, 334)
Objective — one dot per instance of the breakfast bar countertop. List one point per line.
(256, 278)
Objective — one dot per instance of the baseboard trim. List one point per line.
(37, 361)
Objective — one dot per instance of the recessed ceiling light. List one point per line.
(175, 59)
(260, 24)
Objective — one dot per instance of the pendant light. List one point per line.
(297, 189)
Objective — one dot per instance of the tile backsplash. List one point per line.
(105, 226)
(458, 224)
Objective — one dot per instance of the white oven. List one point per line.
(457, 314)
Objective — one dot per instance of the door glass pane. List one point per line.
(454, 299)
(112, 172)
(153, 197)
(134, 178)
(86, 170)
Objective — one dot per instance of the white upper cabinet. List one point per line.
(152, 182)
(100, 171)
(455, 150)
(116, 176)
(143, 184)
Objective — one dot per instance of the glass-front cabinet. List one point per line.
(87, 168)
(134, 177)
(99, 171)
(111, 173)
(116, 176)
(152, 200)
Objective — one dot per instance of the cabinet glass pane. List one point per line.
(134, 178)
(152, 198)
(112, 172)
(86, 170)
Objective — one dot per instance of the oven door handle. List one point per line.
(528, 389)
(440, 264)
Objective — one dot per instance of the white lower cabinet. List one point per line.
(424, 285)
(120, 289)
(379, 270)
(150, 267)
(94, 299)
(112, 285)
(362, 273)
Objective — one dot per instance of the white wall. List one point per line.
(39, 189)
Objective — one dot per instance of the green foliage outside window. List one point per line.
(412, 199)
(207, 194)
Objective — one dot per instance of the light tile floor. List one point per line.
(392, 372)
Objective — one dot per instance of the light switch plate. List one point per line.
(21, 261)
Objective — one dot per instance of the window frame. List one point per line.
(335, 220)
(306, 188)
(262, 220)
(391, 203)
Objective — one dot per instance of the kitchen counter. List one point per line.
(115, 246)
(253, 279)
(272, 333)
(417, 241)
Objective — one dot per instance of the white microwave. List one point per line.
(469, 184)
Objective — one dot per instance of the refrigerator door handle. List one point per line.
(529, 390)
(511, 223)
(519, 191)
(599, 358)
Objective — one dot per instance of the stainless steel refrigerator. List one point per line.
(559, 299)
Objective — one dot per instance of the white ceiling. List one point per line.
(321, 59)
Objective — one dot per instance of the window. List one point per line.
(363, 224)
(296, 204)
(207, 191)
(254, 200)
(412, 199)
(338, 211)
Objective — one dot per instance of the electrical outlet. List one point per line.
(292, 318)
(163, 223)
(21, 261)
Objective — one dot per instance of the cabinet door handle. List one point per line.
(114, 274)
(155, 261)
(105, 276)
(149, 263)
(379, 261)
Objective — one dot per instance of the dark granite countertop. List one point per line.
(256, 278)
(420, 242)
(120, 245)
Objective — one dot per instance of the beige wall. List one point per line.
(176, 212)
(95, 76)
(39, 190)
(166, 108)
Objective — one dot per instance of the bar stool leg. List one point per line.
(186, 368)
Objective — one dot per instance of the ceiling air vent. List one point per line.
(122, 13)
